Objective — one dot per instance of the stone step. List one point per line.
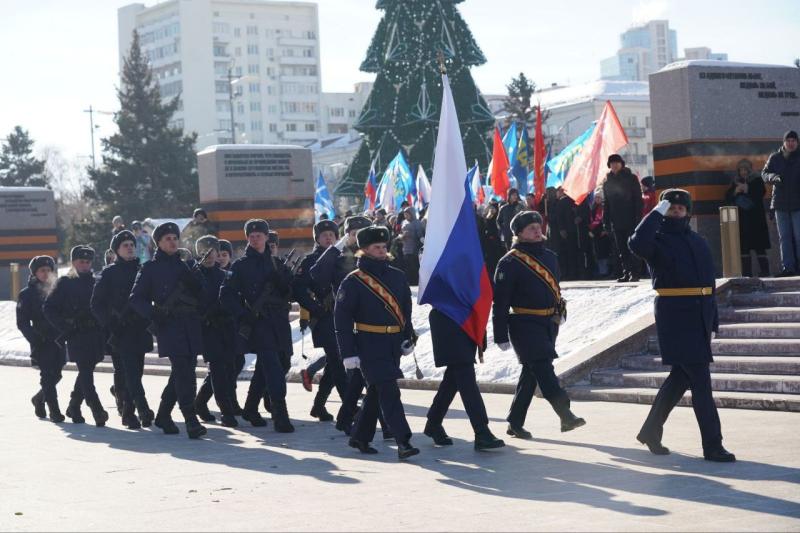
(733, 400)
(755, 347)
(766, 299)
(725, 364)
(759, 314)
(759, 330)
(781, 284)
(770, 383)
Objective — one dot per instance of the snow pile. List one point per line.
(594, 312)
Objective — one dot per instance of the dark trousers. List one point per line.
(84, 383)
(352, 393)
(271, 370)
(383, 398)
(681, 378)
(533, 373)
(182, 385)
(627, 260)
(120, 385)
(317, 365)
(334, 376)
(411, 264)
(218, 381)
(49, 376)
(133, 365)
(461, 379)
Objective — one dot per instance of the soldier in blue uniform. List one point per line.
(40, 334)
(219, 339)
(318, 299)
(168, 292)
(528, 310)
(683, 275)
(128, 336)
(455, 350)
(68, 310)
(225, 262)
(373, 328)
(255, 294)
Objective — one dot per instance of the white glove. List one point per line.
(504, 346)
(407, 348)
(340, 244)
(352, 363)
(663, 206)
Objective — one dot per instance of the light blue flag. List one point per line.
(397, 185)
(322, 200)
(559, 165)
(510, 143)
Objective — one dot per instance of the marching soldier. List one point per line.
(373, 327)
(686, 319)
(218, 339)
(455, 350)
(527, 312)
(40, 334)
(225, 262)
(255, 294)
(128, 336)
(318, 299)
(68, 310)
(168, 292)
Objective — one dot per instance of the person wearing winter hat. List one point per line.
(46, 355)
(783, 172)
(507, 212)
(622, 194)
(746, 192)
(687, 318)
(68, 308)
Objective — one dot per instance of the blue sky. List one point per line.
(60, 56)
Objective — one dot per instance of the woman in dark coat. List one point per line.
(747, 193)
(492, 248)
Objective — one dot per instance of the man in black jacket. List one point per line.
(783, 171)
(623, 211)
(507, 212)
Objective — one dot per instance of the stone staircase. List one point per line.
(756, 354)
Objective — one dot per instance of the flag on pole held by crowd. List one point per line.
(510, 142)
(370, 190)
(397, 185)
(498, 168)
(322, 200)
(539, 159)
(590, 165)
(453, 276)
(423, 189)
(520, 161)
(476, 185)
(559, 165)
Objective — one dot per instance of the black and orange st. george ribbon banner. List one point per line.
(384, 294)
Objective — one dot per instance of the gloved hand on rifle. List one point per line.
(351, 363)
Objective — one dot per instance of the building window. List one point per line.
(273, 109)
(219, 50)
(221, 87)
(647, 122)
(273, 128)
(221, 27)
(308, 52)
(237, 32)
(240, 108)
(352, 113)
(255, 88)
(252, 49)
(337, 112)
(255, 106)
(291, 126)
(223, 106)
(238, 51)
(311, 127)
(252, 30)
(224, 124)
(337, 128)
(256, 125)
(253, 69)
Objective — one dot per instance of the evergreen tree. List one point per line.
(149, 168)
(518, 102)
(18, 166)
(402, 112)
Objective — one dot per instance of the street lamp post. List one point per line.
(230, 96)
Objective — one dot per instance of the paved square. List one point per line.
(79, 477)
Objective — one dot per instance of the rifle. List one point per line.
(267, 299)
(178, 296)
(82, 321)
(288, 257)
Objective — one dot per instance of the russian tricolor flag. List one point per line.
(453, 276)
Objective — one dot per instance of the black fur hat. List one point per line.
(41, 261)
(325, 225)
(372, 235)
(678, 196)
(119, 238)
(165, 229)
(256, 224)
(524, 219)
(82, 252)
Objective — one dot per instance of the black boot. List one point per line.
(237, 409)
(485, 440)
(406, 450)
(267, 403)
(763, 266)
(569, 421)
(146, 414)
(438, 434)
(363, 447)
(55, 411)
(164, 420)
(747, 266)
(129, 419)
(319, 411)
(518, 432)
(38, 405)
(228, 419)
(194, 429)
(74, 409)
(344, 427)
(99, 414)
(280, 417)
(250, 412)
(117, 400)
(201, 403)
(719, 455)
(654, 445)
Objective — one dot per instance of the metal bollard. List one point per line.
(13, 269)
(731, 247)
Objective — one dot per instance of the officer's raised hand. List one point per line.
(663, 206)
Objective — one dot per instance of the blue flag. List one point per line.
(519, 165)
(322, 200)
(397, 185)
(558, 167)
(510, 142)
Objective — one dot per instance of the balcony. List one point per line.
(287, 60)
(296, 41)
(636, 133)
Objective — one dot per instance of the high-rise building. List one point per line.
(703, 53)
(643, 50)
(269, 49)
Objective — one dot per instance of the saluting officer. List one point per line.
(168, 292)
(40, 334)
(686, 319)
(128, 335)
(219, 342)
(255, 295)
(318, 299)
(67, 308)
(373, 327)
(527, 311)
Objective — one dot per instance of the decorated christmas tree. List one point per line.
(402, 112)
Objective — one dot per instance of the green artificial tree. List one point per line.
(402, 112)
(18, 166)
(149, 167)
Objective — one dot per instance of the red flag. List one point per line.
(498, 176)
(539, 159)
(589, 166)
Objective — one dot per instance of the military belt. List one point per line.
(369, 328)
(690, 291)
(550, 311)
